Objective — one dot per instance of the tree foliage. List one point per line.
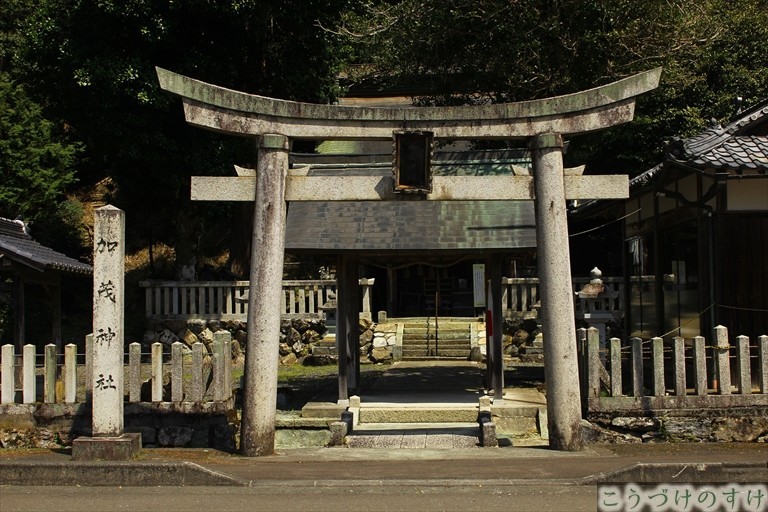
(92, 64)
(36, 162)
(478, 51)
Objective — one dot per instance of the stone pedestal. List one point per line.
(123, 447)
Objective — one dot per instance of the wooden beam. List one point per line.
(301, 187)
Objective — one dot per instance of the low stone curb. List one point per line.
(127, 474)
(153, 474)
(748, 472)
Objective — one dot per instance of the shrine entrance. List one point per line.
(274, 124)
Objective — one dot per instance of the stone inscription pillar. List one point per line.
(561, 370)
(265, 293)
(108, 285)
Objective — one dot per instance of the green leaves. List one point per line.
(36, 164)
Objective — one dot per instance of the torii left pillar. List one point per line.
(257, 431)
(561, 371)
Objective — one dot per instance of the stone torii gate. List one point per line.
(274, 123)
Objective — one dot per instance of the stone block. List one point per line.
(124, 447)
(338, 433)
(488, 435)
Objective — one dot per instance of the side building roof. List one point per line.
(739, 148)
(18, 246)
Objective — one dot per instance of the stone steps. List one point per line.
(420, 414)
(454, 340)
(414, 435)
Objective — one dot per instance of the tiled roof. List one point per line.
(17, 245)
(410, 225)
(735, 148)
(740, 146)
(737, 153)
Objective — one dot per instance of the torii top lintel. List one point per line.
(238, 113)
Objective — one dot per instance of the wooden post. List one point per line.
(70, 373)
(593, 358)
(29, 389)
(558, 323)
(342, 328)
(49, 379)
(54, 292)
(19, 319)
(584, 369)
(352, 289)
(157, 372)
(196, 384)
(658, 366)
(177, 373)
(700, 365)
(723, 359)
(8, 383)
(261, 358)
(637, 367)
(89, 368)
(679, 357)
(742, 362)
(762, 362)
(615, 344)
(494, 270)
(134, 372)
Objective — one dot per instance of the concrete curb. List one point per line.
(154, 474)
(127, 474)
(747, 472)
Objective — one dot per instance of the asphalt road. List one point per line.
(539, 498)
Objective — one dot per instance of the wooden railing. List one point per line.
(228, 300)
(195, 377)
(653, 374)
(520, 296)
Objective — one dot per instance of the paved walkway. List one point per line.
(431, 405)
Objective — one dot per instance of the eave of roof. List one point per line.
(732, 149)
(18, 246)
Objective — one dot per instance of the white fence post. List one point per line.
(8, 383)
(177, 373)
(637, 367)
(89, 380)
(157, 372)
(49, 381)
(679, 356)
(657, 345)
(29, 389)
(134, 372)
(70, 373)
(700, 365)
(594, 362)
(615, 344)
(723, 359)
(742, 362)
(196, 385)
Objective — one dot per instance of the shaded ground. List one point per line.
(298, 384)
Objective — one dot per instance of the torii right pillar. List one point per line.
(561, 371)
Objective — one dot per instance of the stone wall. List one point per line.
(204, 425)
(747, 424)
(297, 337)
